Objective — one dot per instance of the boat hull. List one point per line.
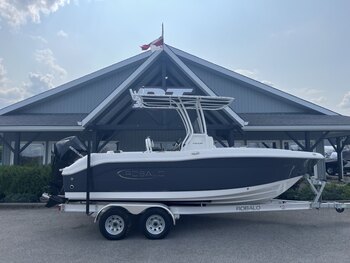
(231, 179)
(258, 193)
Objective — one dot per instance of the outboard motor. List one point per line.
(66, 152)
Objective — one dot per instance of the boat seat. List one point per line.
(149, 144)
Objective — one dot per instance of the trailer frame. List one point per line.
(98, 209)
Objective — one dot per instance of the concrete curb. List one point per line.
(21, 205)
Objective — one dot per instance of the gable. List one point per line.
(247, 98)
(161, 70)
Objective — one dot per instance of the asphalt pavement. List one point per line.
(46, 235)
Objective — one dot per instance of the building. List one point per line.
(97, 108)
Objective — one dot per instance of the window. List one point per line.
(50, 153)
(263, 144)
(167, 145)
(34, 154)
(291, 145)
(219, 145)
(239, 144)
(110, 146)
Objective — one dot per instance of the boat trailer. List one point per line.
(156, 219)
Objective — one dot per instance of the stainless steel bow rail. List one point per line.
(164, 215)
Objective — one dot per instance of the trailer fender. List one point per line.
(136, 209)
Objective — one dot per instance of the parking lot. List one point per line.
(45, 235)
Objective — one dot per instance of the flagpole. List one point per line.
(163, 33)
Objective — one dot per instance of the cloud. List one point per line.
(3, 73)
(46, 57)
(19, 12)
(8, 93)
(37, 82)
(345, 102)
(61, 33)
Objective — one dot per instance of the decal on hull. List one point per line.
(139, 174)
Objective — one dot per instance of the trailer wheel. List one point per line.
(340, 210)
(114, 223)
(330, 171)
(155, 223)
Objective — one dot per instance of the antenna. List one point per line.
(163, 32)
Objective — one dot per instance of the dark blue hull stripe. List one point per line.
(192, 175)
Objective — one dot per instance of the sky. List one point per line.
(298, 46)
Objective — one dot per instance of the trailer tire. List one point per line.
(114, 223)
(330, 171)
(155, 223)
(340, 210)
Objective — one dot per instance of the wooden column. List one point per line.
(340, 159)
(321, 166)
(95, 141)
(307, 142)
(230, 139)
(17, 152)
(88, 175)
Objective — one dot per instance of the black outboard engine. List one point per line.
(66, 152)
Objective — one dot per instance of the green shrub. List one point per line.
(332, 192)
(23, 183)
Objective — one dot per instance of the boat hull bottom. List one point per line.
(258, 193)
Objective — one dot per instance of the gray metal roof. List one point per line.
(41, 120)
(254, 83)
(274, 122)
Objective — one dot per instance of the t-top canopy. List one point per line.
(153, 101)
